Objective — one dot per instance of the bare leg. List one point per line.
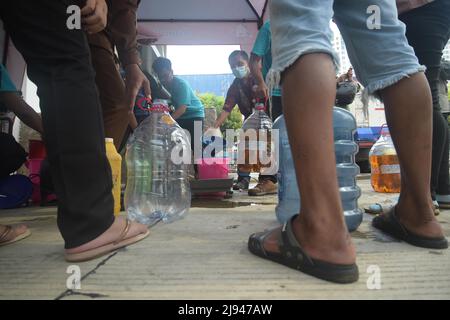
(409, 116)
(309, 89)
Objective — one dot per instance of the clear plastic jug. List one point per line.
(158, 156)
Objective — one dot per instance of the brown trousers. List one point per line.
(111, 88)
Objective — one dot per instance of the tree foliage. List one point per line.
(210, 100)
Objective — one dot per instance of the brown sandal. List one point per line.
(120, 242)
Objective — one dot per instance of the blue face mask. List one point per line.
(240, 72)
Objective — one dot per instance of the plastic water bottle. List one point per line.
(344, 125)
(157, 176)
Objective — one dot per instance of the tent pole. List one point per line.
(264, 10)
(199, 20)
(260, 18)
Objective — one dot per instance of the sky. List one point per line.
(204, 59)
(200, 59)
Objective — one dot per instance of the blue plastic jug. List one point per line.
(344, 126)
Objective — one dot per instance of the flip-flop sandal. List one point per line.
(108, 248)
(8, 230)
(379, 208)
(389, 224)
(293, 256)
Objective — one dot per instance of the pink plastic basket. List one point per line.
(213, 168)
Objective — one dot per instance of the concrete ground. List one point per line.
(205, 256)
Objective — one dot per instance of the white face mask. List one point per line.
(240, 72)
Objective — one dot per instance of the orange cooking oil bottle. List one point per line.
(258, 141)
(115, 161)
(384, 164)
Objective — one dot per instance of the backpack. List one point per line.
(15, 191)
(13, 155)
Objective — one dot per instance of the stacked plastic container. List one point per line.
(344, 127)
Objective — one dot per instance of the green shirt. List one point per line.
(263, 48)
(6, 85)
(183, 95)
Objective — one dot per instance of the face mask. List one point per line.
(240, 72)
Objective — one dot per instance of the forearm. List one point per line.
(221, 119)
(22, 110)
(255, 69)
(179, 112)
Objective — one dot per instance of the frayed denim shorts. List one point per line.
(378, 49)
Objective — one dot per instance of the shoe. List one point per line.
(263, 188)
(242, 183)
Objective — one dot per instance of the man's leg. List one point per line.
(411, 97)
(308, 96)
(407, 99)
(111, 89)
(320, 228)
(428, 30)
(59, 63)
(309, 90)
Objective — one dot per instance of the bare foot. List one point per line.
(326, 243)
(111, 235)
(419, 219)
(16, 231)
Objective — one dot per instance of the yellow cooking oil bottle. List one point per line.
(115, 161)
(384, 164)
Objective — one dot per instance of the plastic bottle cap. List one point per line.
(109, 140)
(260, 106)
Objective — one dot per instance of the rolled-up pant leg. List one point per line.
(59, 64)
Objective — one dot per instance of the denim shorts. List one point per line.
(380, 56)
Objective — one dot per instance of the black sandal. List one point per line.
(293, 256)
(389, 224)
